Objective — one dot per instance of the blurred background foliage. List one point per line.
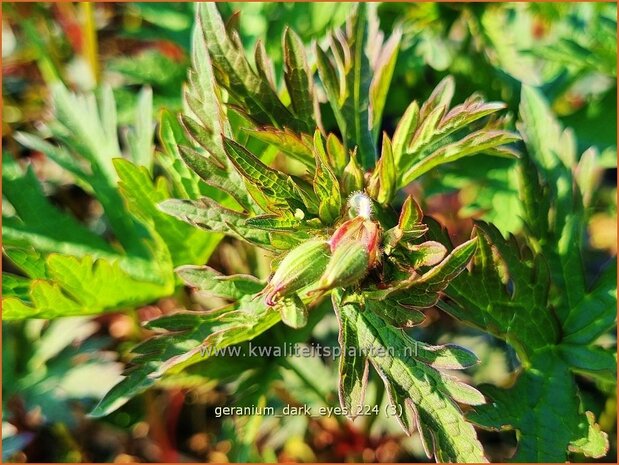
(136, 56)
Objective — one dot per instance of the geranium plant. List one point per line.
(297, 162)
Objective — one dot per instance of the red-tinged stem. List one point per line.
(160, 429)
(175, 405)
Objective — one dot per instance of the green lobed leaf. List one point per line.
(42, 227)
(28, 260)
(332, 84)
(356, 106)
(543, 406)
(593, 442)
(207, 214)
(81, 287)
(381, 82)
(594, 315)
(432, 135)
(593, 361)
(435, 130)
(186, 244)
(338, 158)
(382, 183)
(39, 221)
(481, 296)
(404, 132)
(396, 314)
(58, 154)
(213, 283)
(476, 142)
(353, 369)
(298, 78)
(194, 337)
(87, 128)
(200, 134)
(215, 177)
(234, 73)
(556, 217)
(422, 290)
(288, 142)
(326, 185)
(264, 65)
(506, 294)
(185, 183)
(278, 188)
(426, 131)
(203, 100)
(428, 253)
(140, 138)
(420, 395)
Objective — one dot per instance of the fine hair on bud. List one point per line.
(300, 267)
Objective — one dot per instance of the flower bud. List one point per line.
(302, 266)
(348, 264)
(349, 230)
(361, 230)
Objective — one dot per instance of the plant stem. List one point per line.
(90, 39)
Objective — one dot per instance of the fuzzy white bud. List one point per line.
(361, 204)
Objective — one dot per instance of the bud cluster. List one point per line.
(320, 265)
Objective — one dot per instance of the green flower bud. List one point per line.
(348, 264)
(361, 230)
(302, 266)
